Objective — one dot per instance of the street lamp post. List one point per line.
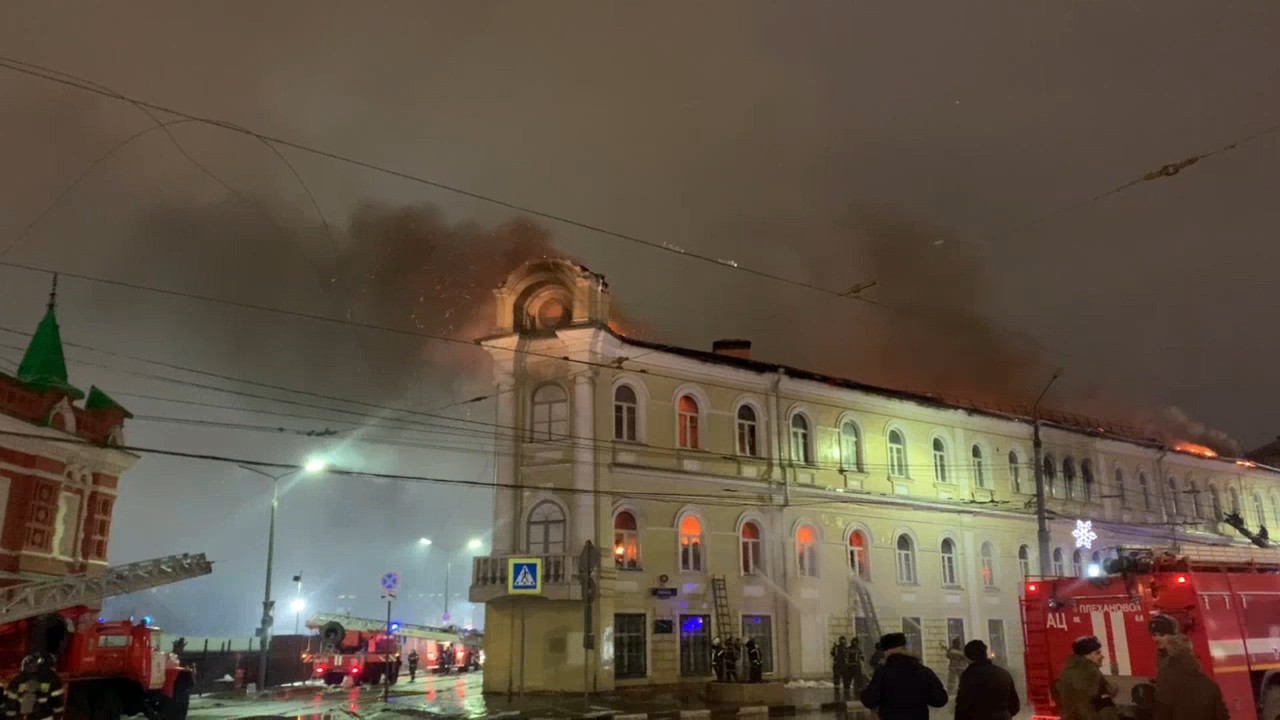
(1042, 516)
(264, 632)
(473, 544)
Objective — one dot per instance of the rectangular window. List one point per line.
(906, 567)
(689, 430)
(995, 633)
(747, 438)
(691, 552)
(624, 422)
(630, 639)
(915, 635)
(41, 515)
(897, 461)
(760, 629)
(988, 571)
(955, 631)
(949, 578)
(695, 645)
(750, 556)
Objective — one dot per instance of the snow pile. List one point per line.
(810, 684)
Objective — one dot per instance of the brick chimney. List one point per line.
(740, 349)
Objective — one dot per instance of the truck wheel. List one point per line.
(333, 678)
(106, 705)
(1271, 703)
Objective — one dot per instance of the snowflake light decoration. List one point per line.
(1084, 534)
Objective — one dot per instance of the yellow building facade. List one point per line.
(790, 491)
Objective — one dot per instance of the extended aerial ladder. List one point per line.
(42, 597)
(860, 599)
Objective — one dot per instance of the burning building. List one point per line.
(738, 498)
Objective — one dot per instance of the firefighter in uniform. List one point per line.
(35, 693)
(413, 664)
(755, 662)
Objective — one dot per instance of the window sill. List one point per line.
(953, 588)
(630, 443)
(992, 589)
(636, 569)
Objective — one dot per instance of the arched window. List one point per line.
(752, 555)
(624, 413)
(988, 565)
(687, 422)
(897, 454)
(979, 472)
(690, 544)
(1086, 476)
(1193, 495)
(1015, 472)
(806, 551)
(801, 449)
(626, 541)
(850, 446)
(1275, 509)
(906, 560)
(1024, 561)
(950, 578)
(1059, 570)
(1124, 500)
(1069, 477)
(1215, 503)
(1233, 498)
(939, 460)
(1050, 472)
(1172, 505)
(858, 555)
(748, 432)
(546, 529)
(550, 413)
(1145, 490)
(1077, 564)
(1259, 510)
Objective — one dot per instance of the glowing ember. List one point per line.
(1194, 449)
(1246, 463)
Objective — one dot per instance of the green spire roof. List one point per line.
(99, 400)
(43, 366)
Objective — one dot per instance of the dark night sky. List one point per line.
(945, 150)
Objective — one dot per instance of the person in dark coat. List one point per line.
(840, 675)
(413, 664)
(956, 663)
(36, 692)
(986, 689)
(877, 658)
(1183, 690)
(755, 662)
(903, 688)
(856, 667)
(1082, 692)
(717, 659)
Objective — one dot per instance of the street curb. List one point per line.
(753, 711)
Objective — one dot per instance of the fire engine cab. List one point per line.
(1229, 611)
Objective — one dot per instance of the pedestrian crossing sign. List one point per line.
(524, 576)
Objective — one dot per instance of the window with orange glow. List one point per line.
(687, 422)
(752, 555)
(691, 544)
(806, 551)
(626, 541)
(858, 555)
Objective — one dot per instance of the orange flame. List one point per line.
(1194, 449)
(1246, 463)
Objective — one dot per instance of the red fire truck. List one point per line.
(1229, 611)
(359, 648)
(108, 669)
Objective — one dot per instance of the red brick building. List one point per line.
(59, 464)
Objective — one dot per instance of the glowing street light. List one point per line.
(298, 605)
(424, 541)
(475, 544)
(315, 465)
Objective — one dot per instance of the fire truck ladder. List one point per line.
(41, 597)
(1035, 635)
(859, 598)
(724, 618)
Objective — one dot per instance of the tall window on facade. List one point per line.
(546, 529)
(1024, 561)
(939, 461)
(1172, 505)
(1069, 477)
(950, 578)
(1275, 509)
(1144, 490)
(801, 451)
(858, 555)
(1050, 473)
(1259, 510)
(629, 645)
(1233, 499)
(914, 631)
(906, 561)
(624, 413)
(760, 629)
(995, 633)
(752, 554)
(897, 455)
(1086, 476)
(1059, 567)
(748, 435)
(1077, 564)
(695, 645)
(550, 414)
(67, 525)
(850, 447)
(806, 551)
(690, 544)
(1193, 497)
(626, 541)
(97, 527)
(1215, 503)
(1015, 472)
(988, 554)
(979, 472)
(687, 422)
(1124, 499)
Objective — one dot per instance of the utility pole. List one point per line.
(1042, 517)
(387, 658)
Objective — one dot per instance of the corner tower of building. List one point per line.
(60, 463)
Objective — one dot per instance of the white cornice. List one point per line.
(64, 447)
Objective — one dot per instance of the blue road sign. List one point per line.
(390, 582)
(524, 576)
